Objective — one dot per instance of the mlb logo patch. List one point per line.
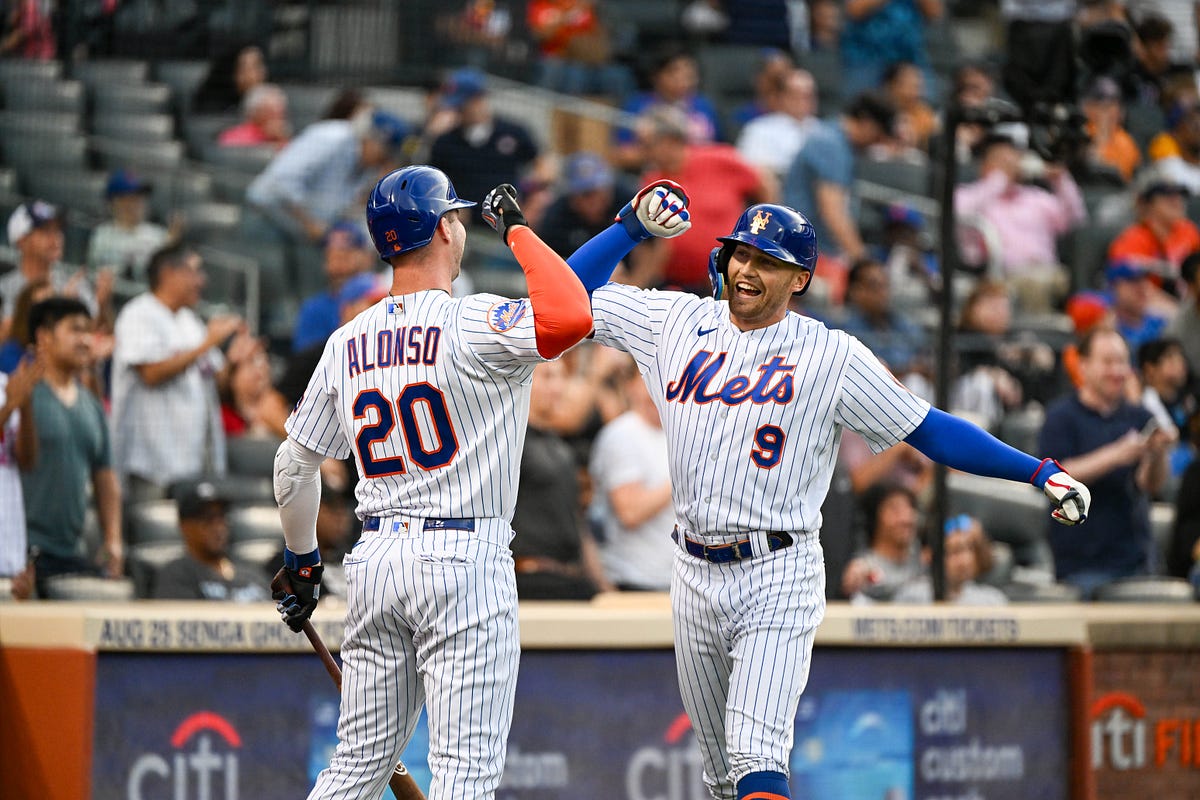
(394, 306)
(505, 316)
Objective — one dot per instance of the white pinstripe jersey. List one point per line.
(431, 395)
(752, 418)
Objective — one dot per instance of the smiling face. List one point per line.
(760, 287)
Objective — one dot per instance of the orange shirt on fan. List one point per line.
(556, 22)
(1139, 243)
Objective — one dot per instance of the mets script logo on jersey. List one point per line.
(775, 382)
(759, 223)
(505, 316)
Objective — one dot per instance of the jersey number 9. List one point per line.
(445, 445)
(768, 446)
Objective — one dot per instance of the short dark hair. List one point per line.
(1088, 339)
(894, 69)
(53, 310)
(873, 107)
(873, 499)
(860, 266)
(1154, 28)
(1155, 350)
(170, 255)
(989, 141)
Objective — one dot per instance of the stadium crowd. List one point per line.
(142, 395)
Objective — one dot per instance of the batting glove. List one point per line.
(1071, 498)
(500, 210)
(297, 588)
(659, 209)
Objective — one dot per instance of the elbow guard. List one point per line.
(295, 466)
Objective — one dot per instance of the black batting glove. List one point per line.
(500, 210)
(297, 591)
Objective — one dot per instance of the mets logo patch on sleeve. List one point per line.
(505, 316)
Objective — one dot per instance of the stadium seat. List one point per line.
(135, 127)
(826, 69)
(118, 154)
(33, 152)
(727, 71)
(1019, 592)
(1010, 513)
(200, 131)
(110, 71)
(147, 98)
(89, 587)
(174, 189)
(251, 455)
(212, 220)
(255, 522)
(1001, 571)
(257, 552)
(910, 177)
(27, 94)
(1148, 589)
(307, 104)
(1020, 428)
(152, 521)
(184, 78)
(1144, 121)
(75, 189)
(27, 123)
(22, 69)
(251, 160)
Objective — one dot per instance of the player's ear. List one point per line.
(802, 278)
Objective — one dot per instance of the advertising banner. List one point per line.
(967, 724)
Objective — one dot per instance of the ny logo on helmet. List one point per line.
(760, 222)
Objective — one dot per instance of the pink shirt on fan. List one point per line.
(1027, 219)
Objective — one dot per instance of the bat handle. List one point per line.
(331, 666)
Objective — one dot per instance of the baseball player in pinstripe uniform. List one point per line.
(430, 393)
(753, 399)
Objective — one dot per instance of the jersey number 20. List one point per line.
(446, 444)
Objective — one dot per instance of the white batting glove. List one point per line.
(658, 209)
(1071, 498)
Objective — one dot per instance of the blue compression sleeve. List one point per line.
(964, 446)
(595, 261)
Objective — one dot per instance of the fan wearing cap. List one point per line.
(1176, 150)
(346, 255)
(482, 150)
(586, 203)
(1132, 293)
(318, 177)
(35, 230)
(125, 241)
(1163, 236)
(206, 571)
(1111, 143)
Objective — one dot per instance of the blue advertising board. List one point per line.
(895, 724)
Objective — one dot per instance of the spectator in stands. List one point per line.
(771, 141)
(968, 555)
(1183, 549)
(1163, 369)
(35, 230)
(1027, 219)
(631, 471)
(972, 86)
(893, 556)
(206, 571)
(1087, 309)
(16, 394)
(1176, 151)
(20, 338)
(1186, 325)
(902, 465)
(1163, 236)
(125, 242)
(765, 23)
(166, 419)
(869, 316)
(1103, 439)
(63, 424)
(904, 84)
(910, 255)
(264, 120)
(358, 293)
(674, 83)
(1130, 288)
(250, 403)
(346, 255)
(773, 70)
(824, 25)
(820, 181)
(1111, 144)
(482, 149)
(719, 183)
(575, 50)
(1152, 53)
(879, 33)
(587, 203)
(232, 76)
(554, 557)
(29, 31)
(315, 180)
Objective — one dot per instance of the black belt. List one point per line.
(431, 524)
(732, 551)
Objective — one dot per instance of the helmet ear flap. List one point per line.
(716, 274)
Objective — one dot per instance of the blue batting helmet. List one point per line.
(776, 230)
(405, 208)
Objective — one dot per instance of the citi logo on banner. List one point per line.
(1123, 739)
(203, 764)
(667, 770)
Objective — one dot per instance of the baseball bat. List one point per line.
(401, 783)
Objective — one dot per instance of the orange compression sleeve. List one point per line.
(562, 311)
